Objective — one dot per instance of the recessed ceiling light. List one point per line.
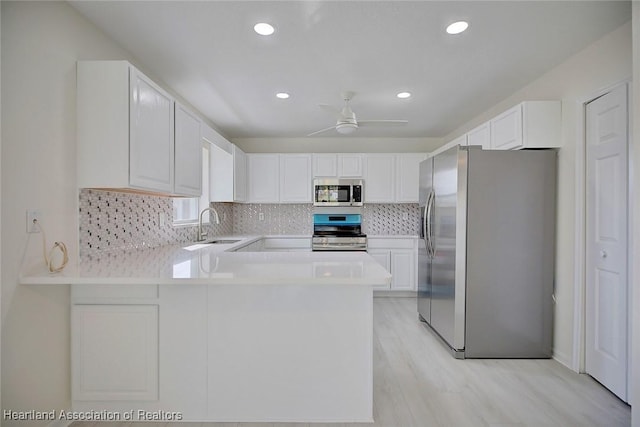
(457, 27)
(404, 95)
(282, 95)
(264, 29)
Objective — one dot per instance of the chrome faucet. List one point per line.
(216, 219)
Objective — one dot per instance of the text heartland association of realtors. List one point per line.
(53, 415)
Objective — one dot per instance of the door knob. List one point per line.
(603, 254)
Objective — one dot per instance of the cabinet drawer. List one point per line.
(287, 243)
(383, 243)
(114, 291)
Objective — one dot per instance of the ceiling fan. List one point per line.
(347, 122)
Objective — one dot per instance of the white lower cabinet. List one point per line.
(115, 352)
(403, 267)
(139, 348)
(383, 257)
(399, 256)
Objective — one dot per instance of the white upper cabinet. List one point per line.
(264, 178)
(531, 124)
(407, 177)
(188, 154)
(480, 136)
(295, 178)
(325, 165)
(343, 165)
(379, 180)
(350, 165)
(221, 165)
(239, 175)
(506, 130)
(126, 132)
(151, 135)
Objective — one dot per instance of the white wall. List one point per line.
(337, 145)
(635, 185)
(41, 42)
(604, 63)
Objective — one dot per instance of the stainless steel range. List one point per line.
(338, 232)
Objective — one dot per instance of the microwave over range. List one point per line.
(337, 192)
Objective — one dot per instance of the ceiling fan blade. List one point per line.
(322, 130)
(382, 122)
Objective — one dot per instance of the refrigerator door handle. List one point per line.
(428, 226)
(432, 239)
(425, 230)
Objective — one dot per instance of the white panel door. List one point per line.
(151, 146)
(403, 269)
(115, 352)
(407, 177)
(379, 179)
(480, 136)
(295, 178)
(264, 178)
(383, 257)
(188, 153)
(239, 175)
(325, 165)
(350, 165)
(506, 130)
(607, 231)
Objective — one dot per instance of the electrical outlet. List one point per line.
(162, 220)
(32, 217)
(261, 216)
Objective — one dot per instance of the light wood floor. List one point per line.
(418, 383)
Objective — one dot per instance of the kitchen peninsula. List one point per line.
(218, 335)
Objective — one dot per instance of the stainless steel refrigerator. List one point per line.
(486, 253)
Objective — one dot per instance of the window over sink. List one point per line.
(187, 209)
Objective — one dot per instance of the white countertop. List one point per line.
(213, 264)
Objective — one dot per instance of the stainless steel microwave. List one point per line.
(338, 192)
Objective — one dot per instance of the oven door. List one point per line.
(332, 195)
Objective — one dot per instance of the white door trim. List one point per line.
(578, 357)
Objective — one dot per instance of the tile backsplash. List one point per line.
(115, 221)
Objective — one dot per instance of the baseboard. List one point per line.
(562, 359)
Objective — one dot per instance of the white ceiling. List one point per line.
(208, 52)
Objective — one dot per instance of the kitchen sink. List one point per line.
(206, 243)
(220, 242)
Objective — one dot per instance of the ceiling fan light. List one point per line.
(346, 128)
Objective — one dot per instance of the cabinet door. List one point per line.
(403, 270)
(325, 165)
(379, 182)
(407, 177)
(188, 153)
(506, 130)
(115, 352)
(350, 165)
(151, 137)
(220, 175)
(239, 175)
(264, 178)
(295, 178)
(480, 136)
(383, 257)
